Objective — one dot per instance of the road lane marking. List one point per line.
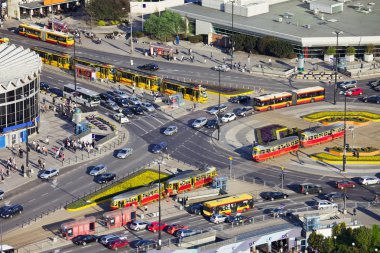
(44, 194)
(31, 200)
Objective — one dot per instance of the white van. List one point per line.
(325, 204)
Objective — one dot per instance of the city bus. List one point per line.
(308, 95)
(4, 248)
(141, 79)
(54, 58)
(138, 197)
(190, 180)
(82, 95)
(42, 33)
(229, 205)
(321, 134)
(275, 148)
(190, 91)
(103, 70)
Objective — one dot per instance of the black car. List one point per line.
(244, 111)
(240, 99)
(105, 178)
(44, 86)
(106, 96)
(212, 123)
(128, 112)
(238, 219)
(9, 211)
(375, 83)
(56, 91)
(195, 209)
(160, 147)
(122, 102)
(334, 196)
(149, 66)
(137, 110)
(274, 195)
(1, 194)
(307, 188)
(142, 244)
(372, 99)
(84, 239)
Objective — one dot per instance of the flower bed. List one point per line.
(333, 159)
(106, 122)
(135, 180)
(359, 116)
(368, 151)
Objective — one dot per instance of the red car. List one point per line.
(117, 244)
(354, 92)
(155, 226)
(175, 227)
(344, 184)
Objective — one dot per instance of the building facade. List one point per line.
(19, 94)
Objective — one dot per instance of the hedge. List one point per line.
(319, 116)
(330, 157)
(350, 149)
(135, 180)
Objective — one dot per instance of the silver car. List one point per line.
(170, 130)
(46, 174)
(148, 107)
(215, 109)
(98, 169)
(134, 100)
(124, 153)
(120, 93)
(112, 106)
(200, 122)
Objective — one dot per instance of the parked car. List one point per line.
(274, 195)
(138, 225)
(159, 148)
(240, 99)
(374, 83)
(49, 173)
(307, 188)
(1, 194)
(347, 84)
(354, 92)
(215, 109)
(44, 86)
(120, 94)
(133, 100)
(10, 211)
(223, 68)
(117, 244)
(84, 239)
(145, 244)
(137, 110)
(149, 66)
(105, 239)
(325, 204)
(170, 130)
(195, 209)
(368, 180)
(172, 229)
(213, 123)
(105, 178)
(377, 88)
(333, 196)
(148, 107)
(228, 117)
(372, 99)
(56, 91)
(244, 111)
(200, 122)
(155, 226)
(124, 153)
(218, 218)
(98, 169)
(344, 184)
(182, 233)
(121, 118)
(128, 112)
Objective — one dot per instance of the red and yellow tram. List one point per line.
(321, 134)
(275, 148)
(189, 180)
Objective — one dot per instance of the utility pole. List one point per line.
(159, 205)
(75, 71)
(232, 35)
(282, 177)
(230, 167)
(337, 33)
(218, 117)
(52, 22)
(131, 24)
(345, 135)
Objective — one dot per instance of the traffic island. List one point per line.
(356, 118)
(350, 159)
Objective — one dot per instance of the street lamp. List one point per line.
(337, 33)
(352, 128)
(159, 205)
(218, 116)
(232, 34)
(344, 134)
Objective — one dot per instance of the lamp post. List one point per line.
(337, 33)
(232, 34)
(75, 71)
(352, 128)
(159, 205)
(52, 22)
(344, 134)
(218, 117)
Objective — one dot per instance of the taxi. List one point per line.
(3, 39)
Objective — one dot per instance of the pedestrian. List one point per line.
(133, 90)
(224, 60)
(212, 56)
(63, 158)
(22, 169)
(43, 165)
(39, 163)
(354, 212)
(146, 209)
(119, 87)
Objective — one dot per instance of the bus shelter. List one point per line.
(120, 217)
(162, 50)
(72, 229)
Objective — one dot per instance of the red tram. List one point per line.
(321, 134)
(275, 148)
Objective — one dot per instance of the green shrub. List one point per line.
(330, 157)
(330, 51)
(102, 23)
(115, 22)
(350, 50)
(196, 39)
(138, 34)
(370, 48)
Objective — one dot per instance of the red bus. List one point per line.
(321, 134)
(189, 180)
(275, 148)
(138, 197)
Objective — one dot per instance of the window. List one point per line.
(11, 96)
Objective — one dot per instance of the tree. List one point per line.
(370, 48)
(158, 27)
(108, 10)
(263, 44)
(375, 236)
(280, 48)
(250, 44)
(315, 240)
(327, 245)
(362, 237)
(176, 22)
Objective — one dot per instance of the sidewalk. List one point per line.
(57, 130)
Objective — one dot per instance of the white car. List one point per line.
(124, 153)
(170, 130)
(121, 118)
(46, 174)
(223, 68)
(367, 180)
(138, 225)
(325, 204)
(134, 100)
(98, 169)
(347, 84)
(120, 93)
(148, 107)
(228, 117)
(200, 122)
(218, 218)
(215, 109)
